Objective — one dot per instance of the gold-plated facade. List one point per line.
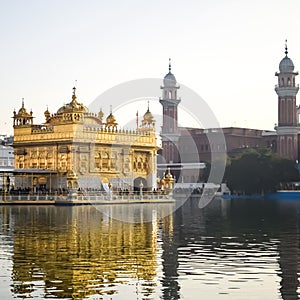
(75, 139)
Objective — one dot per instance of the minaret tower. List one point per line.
(170, 134)
(287, 129)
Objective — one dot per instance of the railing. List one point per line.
(89, 196)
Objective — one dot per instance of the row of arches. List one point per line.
(283, 81)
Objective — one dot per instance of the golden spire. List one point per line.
(47, 114)
(74, 94)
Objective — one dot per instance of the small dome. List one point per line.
(148, 115)
(148, 119)
(170, 80)
(286, 65)
(110, 119)
(47, 112)
(22, 111)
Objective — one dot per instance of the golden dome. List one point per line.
(22, 111)
(47, 112)
(148, 118)
(73, 106)
(111, 120)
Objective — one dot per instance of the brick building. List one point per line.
(182, 146)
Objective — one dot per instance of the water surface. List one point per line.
(232, 249)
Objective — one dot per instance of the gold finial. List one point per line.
(74, 94)
(170, 65)
(110, 107)
(22, 102)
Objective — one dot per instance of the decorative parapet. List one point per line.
(42, 129)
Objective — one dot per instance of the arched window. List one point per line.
(289, 81)
(282, 81)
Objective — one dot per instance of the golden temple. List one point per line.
(81, 150)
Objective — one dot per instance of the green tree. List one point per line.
(259, 171)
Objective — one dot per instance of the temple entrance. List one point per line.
(136, 184)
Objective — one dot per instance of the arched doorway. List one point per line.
(137, 181)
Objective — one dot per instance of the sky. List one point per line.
(225, 51)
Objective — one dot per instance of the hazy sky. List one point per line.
(226, 51)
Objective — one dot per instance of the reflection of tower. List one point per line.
(170, 134)
(288, 250)
(286, 90)
(170, 244)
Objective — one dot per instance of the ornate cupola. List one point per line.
(47, 114)
(111, 122)
(72, 111)
(148, 119)
(286, 89)
(169, 101)
(100, 115)
(23, 118)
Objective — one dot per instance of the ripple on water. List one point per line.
(232, 261)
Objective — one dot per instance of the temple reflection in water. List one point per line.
(77, 252)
